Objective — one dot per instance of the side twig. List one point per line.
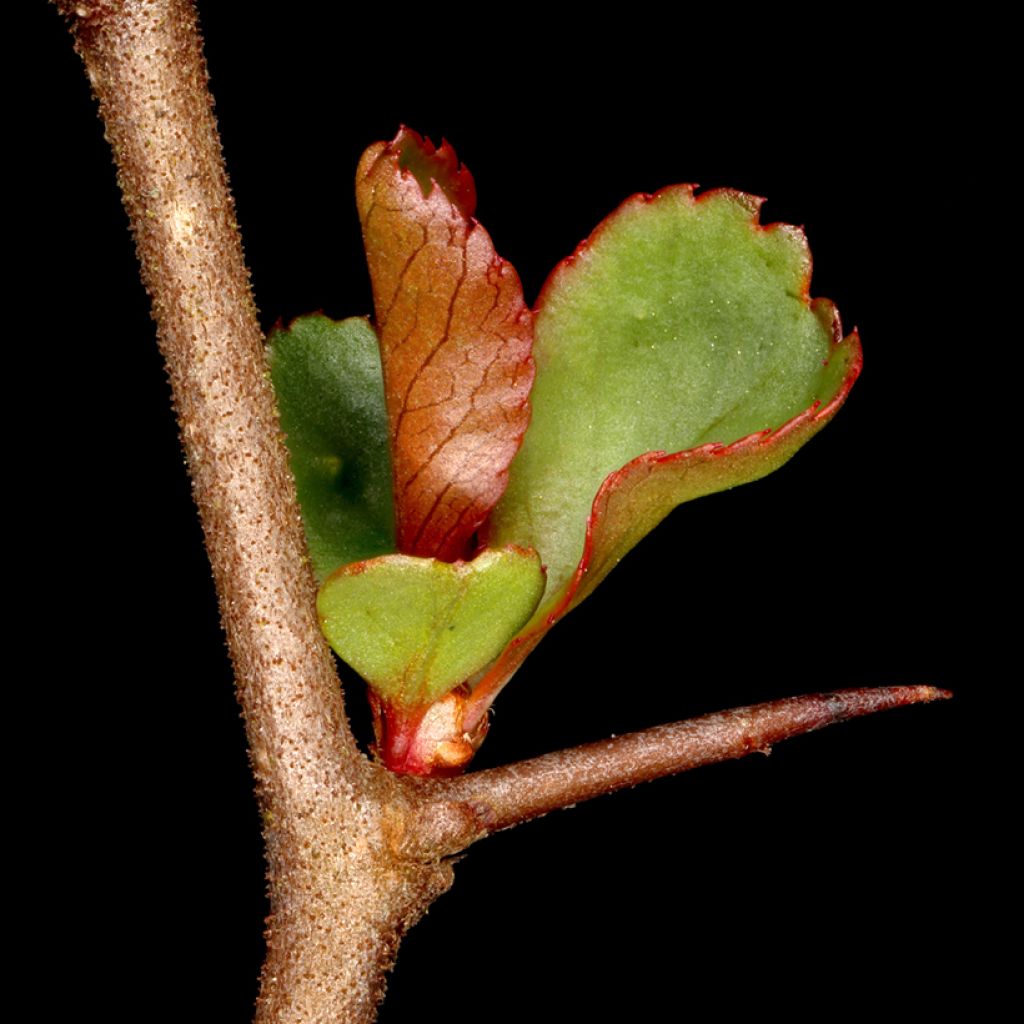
(502, 797)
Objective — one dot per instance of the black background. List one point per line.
(837, 871)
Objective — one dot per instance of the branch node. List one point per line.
(428, 830)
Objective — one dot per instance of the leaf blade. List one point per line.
(415, 628)
(330, 395)
(455, 339)
(593, 478)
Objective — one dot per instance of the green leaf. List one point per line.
(330, 393)
(415, 628)
(682, 326)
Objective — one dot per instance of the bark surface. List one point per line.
(327, 811)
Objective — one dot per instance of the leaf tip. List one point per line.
(431, 165)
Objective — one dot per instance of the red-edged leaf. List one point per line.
(681, 322)
(455, 339)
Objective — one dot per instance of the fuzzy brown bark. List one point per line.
(326, 810)
(355, 855)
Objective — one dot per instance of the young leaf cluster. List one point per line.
(470, 469)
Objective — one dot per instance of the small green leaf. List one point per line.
(415, 628)
(330, 393)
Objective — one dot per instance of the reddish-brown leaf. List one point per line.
(455, 338)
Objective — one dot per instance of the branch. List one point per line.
(354, 853)
(501, 797)
(147, 71)
(338, 900)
